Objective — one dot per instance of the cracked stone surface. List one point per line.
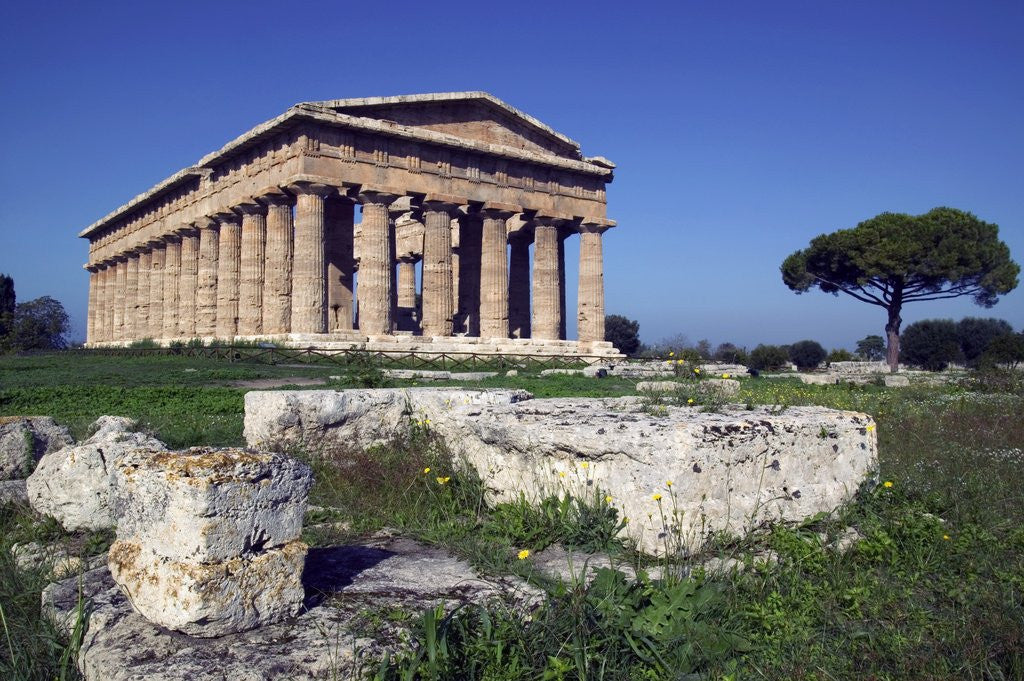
(26, 439)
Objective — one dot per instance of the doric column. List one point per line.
(142, 292)
(206, 291)
(253, 261)
(229, 253)
(546, 295)
(470, 237)
(131, 301)
(374, 286)
(309, 290)
(107, 308)
(172, 274)
(562, 316)
(437, 265)
(519, 285)
(339, 217)
(156, 289)
(277, 269)
(90, 318)
(120, 278)
(187, 282)
(406, 294)
(590, 299)
(494, 270)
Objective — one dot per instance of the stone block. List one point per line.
(26, 439)
(206, 504)
(75, 484)
(211, 599)
(658, 386)
(338, 421)
(818, 379)
(896, 381)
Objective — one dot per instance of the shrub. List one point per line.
(768, 357)
(976, 333)
(841, 355)
(623, 333)
(731, 354)
(1005, 349)
(807, 354)
(930, 344)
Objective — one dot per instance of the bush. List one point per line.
(930, 344)
(768, 357)
(623, 333)
(807, 354)
(841, 355)
(974, 335)
(731, 354)
(1005, 349)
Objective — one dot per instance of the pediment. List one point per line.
(476, 116)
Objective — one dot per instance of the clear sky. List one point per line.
(741, 129)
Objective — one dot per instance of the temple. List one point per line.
(259, 240)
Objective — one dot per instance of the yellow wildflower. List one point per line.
(696, 371)
(561, 474)
(671, 354)
(887, 484)
(689, 401)
(945, 537)
(657, 497)
(426, 470)
(625, 520)
(725, 375)
(524, 554)
(668, 483)
(608, 500)
(870, 427)
(443, 480)
(680, 361)
(585, 464)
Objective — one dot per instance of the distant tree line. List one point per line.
(931, 344)
(40, 324)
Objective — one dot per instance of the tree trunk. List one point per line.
(892, 333)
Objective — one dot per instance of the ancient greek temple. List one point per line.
(465, 204)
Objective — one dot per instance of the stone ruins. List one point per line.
(258, 240)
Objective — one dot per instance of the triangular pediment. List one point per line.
(476, 116)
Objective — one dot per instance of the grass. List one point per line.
(933, 589)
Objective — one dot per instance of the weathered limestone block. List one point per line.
(717, 387)
(13, 492)
(818, 379)
(328, 420)
(26, 439)
(75, 484)
(729, 471)
(207, 539)
(209, 505)
(658, 386)
(211, 599)
(894, 381)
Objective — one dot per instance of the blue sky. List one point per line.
(741, 129)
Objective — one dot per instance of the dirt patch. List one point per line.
(267, 383)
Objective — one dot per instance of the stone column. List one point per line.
(519, 285)
(156, 289)
(406, 294)
(470, 237)
(131, 294)
(309, 291)
(546, 296)
(187, 282)
(206, 291)
(277, 270)
(120, 277)
(142, 292)
(437, 265)
(228, 265)
(339, 218)
(562, 331)
(253, 262)
(90, 318)
(590, 299)
(109, 274)
(375, 269)
(494, 271)
(172, 275)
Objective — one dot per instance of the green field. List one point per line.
(933, 590)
